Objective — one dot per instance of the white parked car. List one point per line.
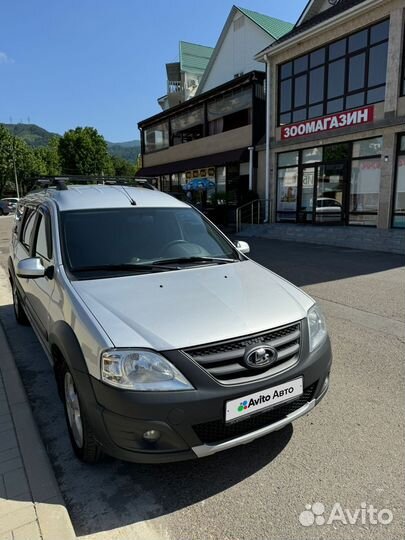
(328, 209)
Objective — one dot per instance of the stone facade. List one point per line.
(363, 238)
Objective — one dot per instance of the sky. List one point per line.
(68, 63)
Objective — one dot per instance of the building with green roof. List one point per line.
(183, 77)
(245, 32)
(193, 57)
(214, 116)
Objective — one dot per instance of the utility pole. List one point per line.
(15, 170)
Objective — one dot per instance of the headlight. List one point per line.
(317, 327)
(141, 370)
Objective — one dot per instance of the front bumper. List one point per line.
(192, 423)
(209, 449)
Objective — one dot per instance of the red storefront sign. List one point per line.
(354, 117)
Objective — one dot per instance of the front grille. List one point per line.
(224, 360)
(218, 431)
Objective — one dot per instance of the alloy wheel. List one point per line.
(73, 410)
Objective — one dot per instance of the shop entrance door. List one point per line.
(306, 203)
(330, 190)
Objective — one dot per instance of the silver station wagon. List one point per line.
(168, 343)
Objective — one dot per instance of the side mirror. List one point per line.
(243, 247)
(31, 268)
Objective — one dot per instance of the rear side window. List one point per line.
(27, 230)
(42, 246)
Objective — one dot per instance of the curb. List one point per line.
(53, 517)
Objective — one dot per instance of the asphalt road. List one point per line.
(349, 450)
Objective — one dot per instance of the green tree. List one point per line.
(48, 158)
(123, 167)
(84, 151)
(6, 158)
(15, 152)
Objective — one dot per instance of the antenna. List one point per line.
(131, 200)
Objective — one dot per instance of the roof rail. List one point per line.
(61, 183)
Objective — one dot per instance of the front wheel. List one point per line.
(81, 435)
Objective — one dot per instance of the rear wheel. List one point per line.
(1, 212)
(19, 312)
(81, 435)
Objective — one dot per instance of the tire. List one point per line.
(81, 435)
(19, 312)
(1, 212)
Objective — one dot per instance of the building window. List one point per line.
(287, 186)
(334, 184)
(230, 111)
(156, 137)
(165, 183)
(365, 182)
(398, 218)
(187, 126)
(221, 179)
(346, 74)
(312, 155)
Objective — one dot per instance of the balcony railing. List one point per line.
(174, 87)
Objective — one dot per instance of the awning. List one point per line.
(240, 155)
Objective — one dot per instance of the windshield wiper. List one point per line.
(121, 267)
(191, 260)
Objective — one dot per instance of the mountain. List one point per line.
(36, 136)
(127, 150)
(32, 134)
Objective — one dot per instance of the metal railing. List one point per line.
(174, 87)
(252, 213)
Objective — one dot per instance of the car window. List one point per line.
(139, 235)
(42, 247)
(27, 231)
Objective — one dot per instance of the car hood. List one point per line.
(193, 306)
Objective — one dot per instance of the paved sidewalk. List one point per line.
(31, 505)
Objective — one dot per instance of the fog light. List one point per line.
(152, 435)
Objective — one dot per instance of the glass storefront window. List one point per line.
(165, 183)
(311, 155)
(288, 158)
(399, 199)
(336, 184)
(287, 189)
(367, 147)
(230, 111)
(187, 126)
(307, 195)
(183, 179)
(336, 152)
(221, 179)
(156, 137)
(364, 191)
(175, 182)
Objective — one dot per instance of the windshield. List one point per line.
(140, 238)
